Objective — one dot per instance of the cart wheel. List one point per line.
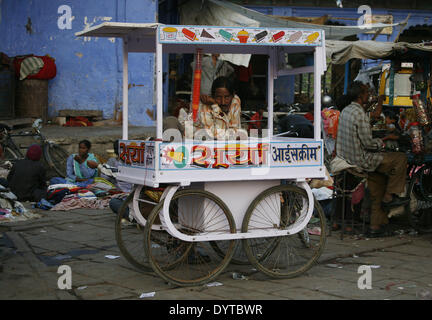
(129, 233)
(239, 256)
(284, 256)
(190, 263)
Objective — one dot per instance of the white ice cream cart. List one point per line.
(218, 192)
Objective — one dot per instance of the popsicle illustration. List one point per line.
(226, 35)
(295, 36)
(189, 34)
(260, 36)
(312, 37)
(276, 37)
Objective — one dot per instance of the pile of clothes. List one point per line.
(64, 197)
(12, 210)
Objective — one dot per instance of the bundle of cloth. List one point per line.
(64, 197)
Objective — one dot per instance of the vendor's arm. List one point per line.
(390, 136)
(92, 164)
(375, 114)
(207, 100)
(89, 168)
(70, 172)
(235, 113)
(365, 132)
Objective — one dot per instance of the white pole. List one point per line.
(125, 89)
(270, 89)
(159, 93)
(318, 68)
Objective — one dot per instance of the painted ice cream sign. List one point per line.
(238, 155)
(251, 36)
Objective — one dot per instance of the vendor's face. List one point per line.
(83, 150)
(364, 96)
(223, 98)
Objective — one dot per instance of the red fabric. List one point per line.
(78, 122)
(243, 73)
(309, 116)
(48, 71)
(257, 123)
(331, 121)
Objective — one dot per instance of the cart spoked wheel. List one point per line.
(239, 256)
(129, 232)
(284, 256)
(183, 263)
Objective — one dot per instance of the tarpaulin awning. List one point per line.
(216, 12)
(342, 51)
(223, 13)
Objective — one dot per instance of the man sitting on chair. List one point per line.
(355, 145)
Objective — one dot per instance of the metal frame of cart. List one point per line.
(233, 169)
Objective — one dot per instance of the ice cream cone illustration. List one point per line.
(205, 34)
(243, 36)
(312, 37)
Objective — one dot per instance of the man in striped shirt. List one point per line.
(355, 144)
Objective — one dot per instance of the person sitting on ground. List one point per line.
(3, 181)
(81, 168)
(113, 162)
(354, 144)
(27, 178)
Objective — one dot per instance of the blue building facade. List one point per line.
(89, 70)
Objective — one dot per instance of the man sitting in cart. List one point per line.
(219, 112)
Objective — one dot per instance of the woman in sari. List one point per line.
(81, 168)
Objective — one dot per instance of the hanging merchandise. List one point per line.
(418, 79)
(416, 138)
(429, 100)
(420, 110)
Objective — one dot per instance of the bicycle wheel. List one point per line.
(129, 233)
(284, 256)
(10, 154)
(420, 193)
(182, 263)
(56, 158)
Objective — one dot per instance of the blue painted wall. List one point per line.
(89, 71)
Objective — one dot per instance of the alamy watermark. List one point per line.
(64, 282)
(65, 20)
(365, 280)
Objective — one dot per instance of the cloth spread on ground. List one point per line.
(66, 197)
(30, 65)
(71, 202)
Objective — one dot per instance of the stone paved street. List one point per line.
(31, 252)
